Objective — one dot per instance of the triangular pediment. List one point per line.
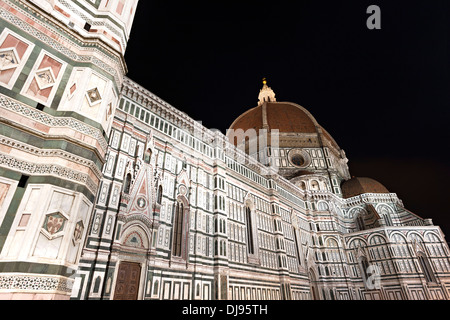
(141, 193)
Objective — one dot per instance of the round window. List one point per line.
(298, 160)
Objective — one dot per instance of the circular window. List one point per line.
(298, 160)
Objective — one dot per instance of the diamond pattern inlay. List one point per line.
(45, 78)
(8, 59)
(93, 96)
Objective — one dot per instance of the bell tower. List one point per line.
(61, 70)
(108, 20)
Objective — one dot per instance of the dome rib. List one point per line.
(284, 116)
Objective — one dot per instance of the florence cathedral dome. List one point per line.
(295, 142)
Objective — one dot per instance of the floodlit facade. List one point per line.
(109, 192)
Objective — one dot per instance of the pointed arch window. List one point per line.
(159, 195)
(127, 184)
(297, 247)
(250, 243)
(313, 284)
(364, 265)
(360, 222)
(426, 267)
(147, 156)
(178, 230)
(387, 219)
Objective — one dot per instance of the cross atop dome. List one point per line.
(266, 94)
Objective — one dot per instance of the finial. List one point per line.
(264, 80)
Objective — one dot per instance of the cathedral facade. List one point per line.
(109, 192)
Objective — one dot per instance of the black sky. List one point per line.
(382, 94)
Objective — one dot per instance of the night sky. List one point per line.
(382, 94)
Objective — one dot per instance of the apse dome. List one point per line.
(357, 186)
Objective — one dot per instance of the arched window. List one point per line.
(360, 222)
(364, 265)
(385, 214)
(127, 184)
(250, 244)
(147, 155)
(159, 195)
(323, 206)
(97, 284)
(178, 230)
(313, 283)
(314, 185)
(387, 219)
(297, 247)
(426, 267)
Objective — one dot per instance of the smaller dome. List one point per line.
(356, 186)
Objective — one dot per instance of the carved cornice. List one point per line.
(51, 121)
(51, 153)
(48, 169)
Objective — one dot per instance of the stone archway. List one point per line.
(131, 262)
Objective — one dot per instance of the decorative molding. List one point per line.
(50, 153)
(48, 169)
(70, 50)
(129, 219)
(88, 19)
(52, 121)
(35, 283)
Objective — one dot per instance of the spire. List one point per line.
(266, 94)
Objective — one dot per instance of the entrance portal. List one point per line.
(127, 284)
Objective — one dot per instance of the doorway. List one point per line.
(127, 283)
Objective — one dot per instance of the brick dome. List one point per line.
(357, 186)
(296, 126)
(289, 118)
(286, 117)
